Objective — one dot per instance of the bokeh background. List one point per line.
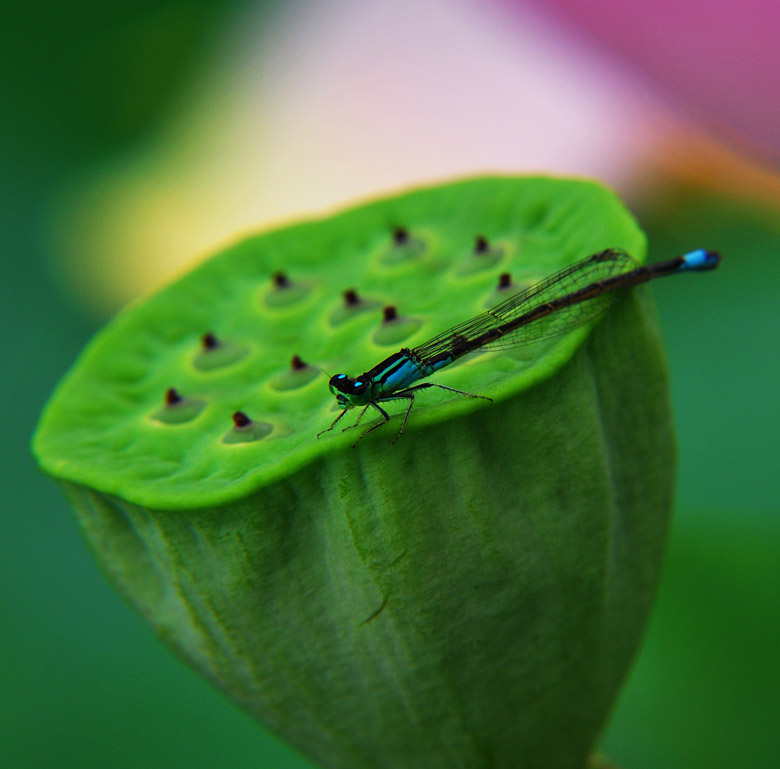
(137, 137)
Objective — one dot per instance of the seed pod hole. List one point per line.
(404, 246)
(481, 245)
(505, 287)
(395, 328)
(210, 342)
(284, 291)
(177, 409)
(483, 256)
(299, 374)
(352, 304)
(246, 430)
(216, 353)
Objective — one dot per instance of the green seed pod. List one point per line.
(470, 596)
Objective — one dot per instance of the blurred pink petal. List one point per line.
(717, 59)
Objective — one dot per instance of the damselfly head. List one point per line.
(346, 389)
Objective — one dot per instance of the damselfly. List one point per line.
(567, 299)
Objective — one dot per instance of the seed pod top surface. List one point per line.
(215, 385)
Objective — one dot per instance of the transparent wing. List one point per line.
(592, 270)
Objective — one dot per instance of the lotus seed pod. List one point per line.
(468, 596)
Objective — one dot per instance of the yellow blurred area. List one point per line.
(338, 101)
(696, 161)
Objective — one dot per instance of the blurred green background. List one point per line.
(87, 92)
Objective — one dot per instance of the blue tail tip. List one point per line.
(701, 260)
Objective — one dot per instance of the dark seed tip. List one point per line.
(351, 297)
(400, 236)
(504, 280)
(240, 419)
(390, 313)
(481, 245)
(172, 396)
(209, 341)
(297, 364)
(281, 280)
